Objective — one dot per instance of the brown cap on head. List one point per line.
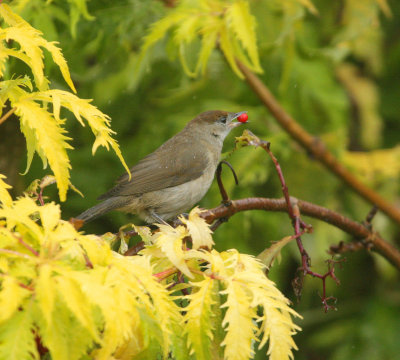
(210, 116)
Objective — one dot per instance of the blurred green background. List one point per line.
(336, 71)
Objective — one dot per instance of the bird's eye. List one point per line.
(223, 119)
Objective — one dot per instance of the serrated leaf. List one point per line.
(11, 297)
(65, 339)
(242, 24)
(198, 229)
(99, 122)
(208, 41)
(5, 198)
(31, 41)
(47, 138)
(159, 30)
(198, 314)
(50, 216)
(45, 292)
(71, 293)
(239, 322)
(227, 49)
(169, 240)
(17, 339)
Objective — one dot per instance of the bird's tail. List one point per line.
(99, 209)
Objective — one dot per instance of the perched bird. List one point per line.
(174, 177)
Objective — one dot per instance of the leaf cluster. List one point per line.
(57, 282)
(228, 25)
(43, 127)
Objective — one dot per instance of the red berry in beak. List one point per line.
(242, 118)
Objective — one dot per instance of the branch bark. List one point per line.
(357, 230)
(315, 146)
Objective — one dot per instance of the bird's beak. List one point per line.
(235, 116)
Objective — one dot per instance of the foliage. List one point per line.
(306, 61)
(230, 24)
(43, 129)
(57, 283)
(44, 12)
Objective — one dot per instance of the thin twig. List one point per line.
(7, 115)
(314, 146)
(370, 216)
(135, 249)
(224, 194)
(166, 273)
(27, 246)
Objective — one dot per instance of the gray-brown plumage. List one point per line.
(174, 177)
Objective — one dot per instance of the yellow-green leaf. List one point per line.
(169, 240)
(198, 314)
(269, 255)
(242, 24)
(17, 337)
(5, 198)
(199, 230)
(47, 138)
(11, 296)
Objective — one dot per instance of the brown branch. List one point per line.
(7, 115)
(357, 230)
(315, 146)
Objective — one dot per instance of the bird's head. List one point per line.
(215, 123)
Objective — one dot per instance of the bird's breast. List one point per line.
(175, 200)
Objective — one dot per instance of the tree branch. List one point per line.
(7, 115)
(357, 230)
(315, 146)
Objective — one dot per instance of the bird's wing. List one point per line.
(162, 169)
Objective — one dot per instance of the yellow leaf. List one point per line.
(19, 214)
(81, 108)
(45, 292)
(47, 137)
(59, 59)
(31, 41)
(145, 233)
(227, 49)
(160, 28)
(5, 198)
(199, 230)
(169, 240)
(187, 29)
(198, 314)
(239, 322)
(11, 297)
(49, 216)
(17, 336)
(242, 24)
(71, 293)
(209, 35)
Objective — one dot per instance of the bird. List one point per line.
(174, 177)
